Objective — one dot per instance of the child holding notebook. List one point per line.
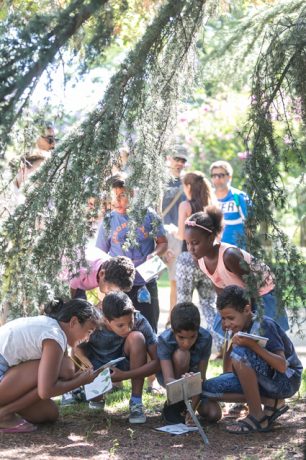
(254, 373)
(124, 332)
(34, 366)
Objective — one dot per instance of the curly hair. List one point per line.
(185, 316)
(119, 270)
(233, 296)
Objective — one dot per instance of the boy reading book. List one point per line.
(184, 348)
(254, 374)
(124, 332)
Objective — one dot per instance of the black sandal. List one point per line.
(246, 428)
(276, 411)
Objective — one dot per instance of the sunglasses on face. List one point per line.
(219, 176)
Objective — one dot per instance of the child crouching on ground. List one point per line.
(124, 332)
(34, 366)
(254, 374)
(185, 348)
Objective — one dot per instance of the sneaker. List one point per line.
(79, 394)
(175, 413)
(68, 399)
(96, 405)
(136, 413)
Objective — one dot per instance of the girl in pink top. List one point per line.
(228, 265)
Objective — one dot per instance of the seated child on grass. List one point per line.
(124, 332)
(254, 374)
(183, 349)
(34, 366)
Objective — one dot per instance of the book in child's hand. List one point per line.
(151, 268)
(99, 386)
(258, 338)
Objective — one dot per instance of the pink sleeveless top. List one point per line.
(222, 277)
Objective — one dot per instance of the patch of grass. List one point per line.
(117, 403)
(214, 369)
(163, 280)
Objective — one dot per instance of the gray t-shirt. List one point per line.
(200, 351)
(104, 345)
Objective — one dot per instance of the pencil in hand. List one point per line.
(81, 366)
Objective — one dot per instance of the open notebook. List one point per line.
(258, 338)
(151, 268)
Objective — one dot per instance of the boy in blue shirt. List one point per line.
(150, 241)
(254, 374)
(124, 332)
(184, 348)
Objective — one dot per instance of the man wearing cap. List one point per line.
(233, 202)
(173, 196)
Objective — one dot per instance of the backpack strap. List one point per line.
(172, 203)
(237, 202)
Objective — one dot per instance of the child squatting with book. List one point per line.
(124, 332)
(252, 373)
(184, 349)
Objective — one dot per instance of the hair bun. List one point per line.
(53, 307)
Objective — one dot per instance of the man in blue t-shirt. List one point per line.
(233, 202)
(112, 236)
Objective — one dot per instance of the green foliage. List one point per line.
(277, 88)
(212, 128)
(139, 106)
(140, 101)
(262, 53)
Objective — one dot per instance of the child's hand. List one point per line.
(188, 374)
(87, 376)
(117, 375)
(188, 420)
(244, 342)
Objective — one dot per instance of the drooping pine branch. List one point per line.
(139, 104)
(276, 87)
(26, 52)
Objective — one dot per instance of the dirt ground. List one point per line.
(92, 435)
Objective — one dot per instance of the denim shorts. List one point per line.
(3, 367)
(272, 384)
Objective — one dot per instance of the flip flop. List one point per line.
(22, 427)
(276, 412)
(246, 428)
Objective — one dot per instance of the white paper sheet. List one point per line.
(178, 428)
(99, 386)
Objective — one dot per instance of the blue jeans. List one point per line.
(272, 384)
(270, 309)
(3, 367)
